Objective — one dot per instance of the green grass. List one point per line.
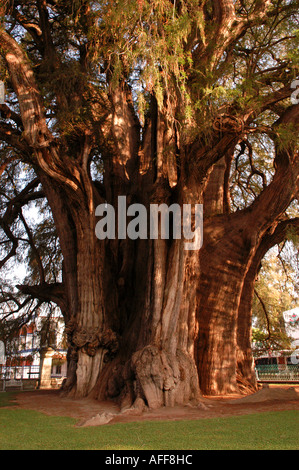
(7, 399)
(22, 429)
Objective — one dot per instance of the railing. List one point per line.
(25, 378)
(23, 373)
(19, 372)
(277, 372)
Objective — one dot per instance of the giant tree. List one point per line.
(142, 99)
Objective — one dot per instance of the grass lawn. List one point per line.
(30, 430)
(7, 399)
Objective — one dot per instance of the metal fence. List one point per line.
(277, 372)
(26, 378)
(19, 372)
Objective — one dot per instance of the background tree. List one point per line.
(156, 95)
(276, 291)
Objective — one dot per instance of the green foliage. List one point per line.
(277, 287)
(287, 136)
(292, 236)
(293, 53)
(147, 37)
(156, 47)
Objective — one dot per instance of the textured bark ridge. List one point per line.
(155, 363)
(154, 378)
(165, 380)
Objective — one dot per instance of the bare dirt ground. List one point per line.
(89, 412)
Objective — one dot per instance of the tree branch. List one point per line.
(34, 249)
(32, 27)
(36, 132)
(47, 293)
(7, 113)
(49, 50)
(265, 312)
(13, 138)
(13, 210)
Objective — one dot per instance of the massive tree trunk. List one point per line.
(141, 322)
(82, 280)
(234, 245)
(131, 319)
(157, 289)
(224, 260)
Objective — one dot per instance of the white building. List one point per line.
(26, 353)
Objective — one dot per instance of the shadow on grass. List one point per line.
(8, 399)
